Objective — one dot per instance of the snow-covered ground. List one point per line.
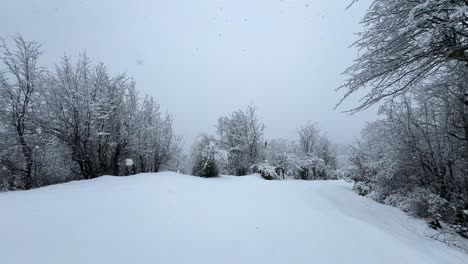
(173, 218)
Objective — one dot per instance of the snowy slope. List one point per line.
(173, 218)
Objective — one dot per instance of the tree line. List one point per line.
(75, 121)
(414, 62)
(239, 148)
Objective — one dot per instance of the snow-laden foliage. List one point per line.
(414, 54)
(405, 42)
(244, 150)
(362, 188)
(311, 157)
(284, 156)
(207, 156)
(267, 171)
(241, 135)
(312, 168)
(410, 160)
(20, 142)
(75, 121)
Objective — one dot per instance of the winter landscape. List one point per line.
(234, 132)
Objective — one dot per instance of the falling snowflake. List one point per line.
(128, 162)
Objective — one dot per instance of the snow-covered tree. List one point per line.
(309, 136)
(77, 121)
(409, 155)
(82, 108)
(241, 135)
(154, 141)
(414, 56)
(290, 162)
(20, 81)
(404, 43)
(284, 156)
(317, 158)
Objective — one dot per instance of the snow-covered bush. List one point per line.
(362, 188)
(460, 228)
(318, 154)
(312, 168)
(205, 168)
(267, 171)
(206, 156)
(291, 161)
(425, 204)
(282, 154)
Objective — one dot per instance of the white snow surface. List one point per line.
(173, 218)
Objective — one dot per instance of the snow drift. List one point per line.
(173, 218)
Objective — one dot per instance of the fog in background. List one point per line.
(204, 59)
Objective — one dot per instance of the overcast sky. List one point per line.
(205, 58)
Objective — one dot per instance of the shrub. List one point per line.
(205, 154)
(362, 188)
(422, 203)
(267, 171)
(205, 168)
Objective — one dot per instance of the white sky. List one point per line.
(205, 58)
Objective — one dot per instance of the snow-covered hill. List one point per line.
(173, 218)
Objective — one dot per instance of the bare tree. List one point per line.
(309, 136)
(19, 83)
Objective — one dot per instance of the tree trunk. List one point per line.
(27, 153)
(115, 161)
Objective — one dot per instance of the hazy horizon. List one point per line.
(204, 59)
